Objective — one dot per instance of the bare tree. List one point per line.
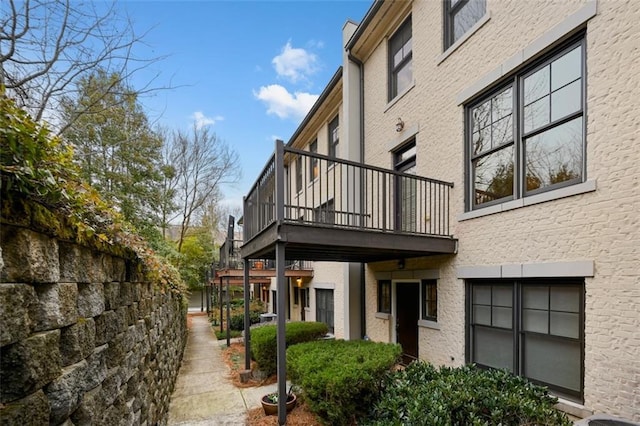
(202, 163)
(48, 45)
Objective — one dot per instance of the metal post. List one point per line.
(221, 307)
(247, 318)
(228, 314)
(281, 287)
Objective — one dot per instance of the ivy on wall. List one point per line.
(40, 186)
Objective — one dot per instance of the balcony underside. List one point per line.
(330, 243)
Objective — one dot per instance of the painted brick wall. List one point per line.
(601, 226)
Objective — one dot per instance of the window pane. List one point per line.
(565, 324)
(566, 100)
(502, 317)
(482, 140)
(565, 298)
(502, 296)
(535, 320)
(536, 85)
(554, 156)
(536, 114)
(493, 347)
(502, 104)
(468, 15)
(566, 69)
(482, 115)
(404, 77)
(482, 314)
(397, 58)
(552, 361)
(502, 132)
(535, 297)
(482, 294)
(493, 176)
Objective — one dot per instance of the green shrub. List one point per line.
(237, 321)
(422, 394)
(340, 379)
(264, 346)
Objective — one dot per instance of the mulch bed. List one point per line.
(233, 357)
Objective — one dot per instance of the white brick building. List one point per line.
(531, 111)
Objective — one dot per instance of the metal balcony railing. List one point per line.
(231, 259)
(325, 191)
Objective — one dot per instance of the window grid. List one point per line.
(313, 162)
(334, 137)
(459, 17)
(527, 136)
(400, 60)
(384, 296)
(430, 300)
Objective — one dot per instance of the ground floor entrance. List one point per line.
(407, 314)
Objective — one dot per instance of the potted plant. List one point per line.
(270, 402)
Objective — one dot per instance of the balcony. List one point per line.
(231, 267)
(328, 209)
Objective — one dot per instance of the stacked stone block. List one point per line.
(83, 339)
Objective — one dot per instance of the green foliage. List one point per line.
(195, 258)
(237, 321)
(264, 345)
(340, 379)
(117, 151)
(422, 394)
(222, 335)
(40, 187)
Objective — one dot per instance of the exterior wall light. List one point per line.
(399, 125)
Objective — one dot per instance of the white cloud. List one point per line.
(295, 64)
(284, 104)
(202, 120)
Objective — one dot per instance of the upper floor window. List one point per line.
(527, 136)
(313, 161)
(400, 54)
(459, 17)
(334, 137)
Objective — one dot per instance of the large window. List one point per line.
(334, 137)
(400, 54)
(406, 190)
(313, 161)
(527, 136)
(531, 327)
(459, 17)
(384, 296)
(429, 300)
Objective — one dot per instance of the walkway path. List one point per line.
(204, 395)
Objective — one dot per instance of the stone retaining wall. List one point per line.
(83, 340)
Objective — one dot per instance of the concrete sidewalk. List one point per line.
(203, 394)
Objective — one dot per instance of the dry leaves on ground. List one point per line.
(233, 356)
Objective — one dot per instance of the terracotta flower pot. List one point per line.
(271, 408)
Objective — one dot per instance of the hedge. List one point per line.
(340, 379)
(264, 344)
(422, 394)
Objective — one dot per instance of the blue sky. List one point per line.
(249, 69)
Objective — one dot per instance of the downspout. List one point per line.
(363, 286)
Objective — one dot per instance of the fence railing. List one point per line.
(231, 259)
(326, 191)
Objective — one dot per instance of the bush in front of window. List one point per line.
(264, 343)
(425, 395)
(340, 379)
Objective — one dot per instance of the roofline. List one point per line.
(337, 76)
(377, 4)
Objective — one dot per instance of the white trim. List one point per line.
(579, 268)
(567, 191)
(323, 286)
(428, 324)
(404, 136)
(465, 37)
(383, 316)
(535, 48)
(399, 96)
